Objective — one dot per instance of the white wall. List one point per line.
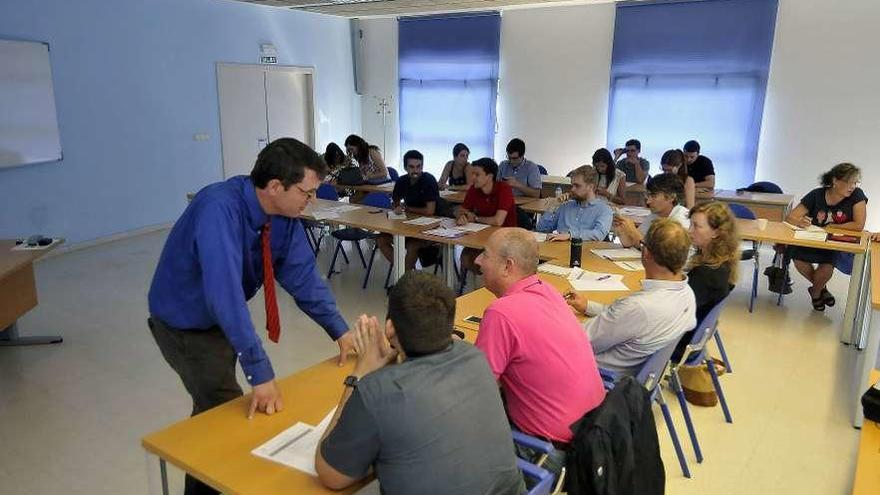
(823, 97)
(379, 70)
(555, 71)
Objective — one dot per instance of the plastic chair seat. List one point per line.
(352, 234)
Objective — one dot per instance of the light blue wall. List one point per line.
(134, 81)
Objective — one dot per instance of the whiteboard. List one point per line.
(28, 122)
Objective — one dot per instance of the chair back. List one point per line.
(651, 372)
(765, 187)
(542, 170)
(392, 172)
(543, 479)
(328, 192)
(704, 331)
(377, 200)
(740, 211)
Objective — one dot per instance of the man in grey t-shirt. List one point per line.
(433, 423)
(635, 167)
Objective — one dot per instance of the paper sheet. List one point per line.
(295, 447)
(559, 271)
(325, 214)
(811, 235)
(619, 254)
(634, 211)
(472, 227)
(448, 233)
(540, 236)
(394, 216)
(592, 281)
(423, 221)
(344, 208)
(631, 265)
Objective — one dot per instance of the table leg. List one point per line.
(163, 471)
(399, 265)
(10, 338)
(854, 313)
(449, 264)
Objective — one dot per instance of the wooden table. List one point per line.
(867, 478)
(764, 205)
(867, 339)
(216, 446)
(549, 183)
(18, 293)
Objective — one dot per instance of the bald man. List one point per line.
(534, 344)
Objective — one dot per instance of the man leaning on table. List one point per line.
(583, 215)
(234, 237)
(429, 422)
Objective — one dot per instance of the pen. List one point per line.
(603, 277)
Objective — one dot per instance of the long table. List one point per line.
(18, 293)
(453, 194)
(868, 336)
(867, 477)
(764, 205)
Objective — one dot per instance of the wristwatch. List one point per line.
(351, 381)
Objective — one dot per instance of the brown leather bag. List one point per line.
(697, 383)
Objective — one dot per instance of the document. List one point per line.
(811, 235)
(634, 211)
(808, 228)
(344, 208)
(423, 221)
(447, 233)
(618, 254)
(392, 215)
(631, 265)
(592, 281)
(472, 227)
(540, 236)
(325, 214)
(559, 271)
(295, 447)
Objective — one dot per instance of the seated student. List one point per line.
(367, 157)
(699, 167)
(627, 332)
(839, 203)
(664, 192)
(583, 216)
(535, 346)
(419, 193)
(457, 171)
(672, 162)
(336, 161)
(434, 423)
(711, 270)
(612, 181)
(486, 201)
(520, 174)
(635, 167)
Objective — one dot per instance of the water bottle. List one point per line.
(575, 253)
(558, 191)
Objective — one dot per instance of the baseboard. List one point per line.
(69, 248)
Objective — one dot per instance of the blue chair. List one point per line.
(740, 211)
(695, 355)
(764, 187)
(542, 479)
(355, 235)
(392, 172)
(328, 192)
(649, 375)
(542, 170)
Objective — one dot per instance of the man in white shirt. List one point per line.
(626, 333)
(665, 191)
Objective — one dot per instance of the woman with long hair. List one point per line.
(336, 160)
(457, 171)
(672, 162)
(612, 181)
(367, 157)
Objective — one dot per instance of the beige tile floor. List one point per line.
(71, 415)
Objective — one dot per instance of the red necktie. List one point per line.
(273, 324)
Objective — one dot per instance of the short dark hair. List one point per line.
(363, 149)
(458, 148)
(668, 184)
(333, 155)
(841, 171)
(634, 142)
(286, 159)
(488, 165)
(518, 145)
(604, 156)
(422, 309)
(413, 155)
(691, 147)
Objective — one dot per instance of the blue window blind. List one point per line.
(685, 70)
(448, 67)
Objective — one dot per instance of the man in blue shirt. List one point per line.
(523, 176)
(215, 259)
(584, 216)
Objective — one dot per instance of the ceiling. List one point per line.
(371, 8)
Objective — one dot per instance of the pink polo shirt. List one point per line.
(542, 358)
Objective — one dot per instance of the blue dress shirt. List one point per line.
(590, 221)
(212, 264)
(527, 173)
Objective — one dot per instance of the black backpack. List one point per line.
(350, 176)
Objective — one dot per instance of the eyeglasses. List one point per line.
(309, 194)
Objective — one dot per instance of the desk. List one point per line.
(764, 205)
(779, 233)
(636, 194)
(867, 338)
(18, 293)
(452, 194)
(549, 183)
(215, 446)
(867, 478)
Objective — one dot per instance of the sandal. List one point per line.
(818, 302)
(827, 298)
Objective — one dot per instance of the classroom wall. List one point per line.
(379, 72)
(134, 81)
(555, 72)
(823, 104)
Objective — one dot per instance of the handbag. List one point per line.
(350, 176)
(697, 383)
(871, 403)
(778, 280)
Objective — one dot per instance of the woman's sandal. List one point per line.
(818, 302)
(828, 298)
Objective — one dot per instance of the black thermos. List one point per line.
(575, 257)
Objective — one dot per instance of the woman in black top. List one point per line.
(712, 269)
(456, 172)
(839, 203)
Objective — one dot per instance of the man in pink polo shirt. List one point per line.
(534, 344)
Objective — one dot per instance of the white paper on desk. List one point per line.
(447, 233)
(811, 235)
(395, 216)
(618, 254)
(592, 281)
(808, 228)
(631, 265)
(344, 208)
(540, 236)
(447, 192)
(559, 271)
(423, 221)
(295, 447)
(325, 214)
(634, 211)
(472, 227)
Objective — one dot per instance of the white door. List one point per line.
(289, 104)
(243, 126)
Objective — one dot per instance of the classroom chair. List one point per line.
(328, 192)
(543, 480)
(542, 170)
(355, 235)
(740, 211)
